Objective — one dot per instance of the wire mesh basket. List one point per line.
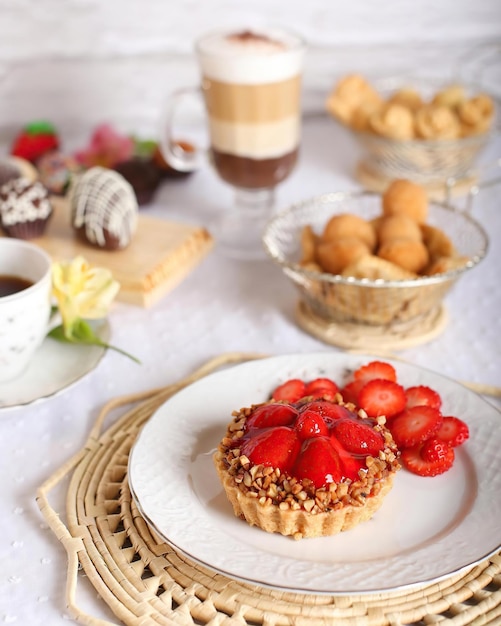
(368, 301)
(425, 161)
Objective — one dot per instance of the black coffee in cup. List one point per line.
(9, 285)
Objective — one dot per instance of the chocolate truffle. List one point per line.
(15, 167)
(25, 208)
(104, 208)
(56, 171)
(143, 175)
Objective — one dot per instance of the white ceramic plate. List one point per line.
(426, 529)
(55, 367)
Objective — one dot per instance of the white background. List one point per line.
(87, 61)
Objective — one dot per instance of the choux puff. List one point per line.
(409, 254)
(476, 114)
(336, 254)
(393, 121)
(308, 245)
(407, 97)
(451, 96)
(351, 92)
(446, 264)
(438, 243)
(437, 122)
(398, 226)
(361, 117)
(345, 225)
(404, 196)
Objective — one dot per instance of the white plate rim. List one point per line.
(281, 364)
(95, 354)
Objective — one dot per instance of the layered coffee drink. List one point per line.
(251, 83)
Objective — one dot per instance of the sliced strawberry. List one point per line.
(375, 370)
(357, 437)
(382, 397)
(328, 410)
(274, 447)
(421, 395)
(350, 391)
(415, 425)
(321, 388)
(350, 464)
(272, 415)
(290, 391)
(453, 431)
(413, 460)
(310, 424)
(319, 462)
(434, 449)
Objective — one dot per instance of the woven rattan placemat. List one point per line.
(145, 582)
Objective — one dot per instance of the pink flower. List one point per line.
(107, 148)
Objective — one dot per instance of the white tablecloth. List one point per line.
(222, 306)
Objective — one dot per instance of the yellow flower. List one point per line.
(82, 291)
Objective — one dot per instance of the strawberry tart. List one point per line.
(310, 467)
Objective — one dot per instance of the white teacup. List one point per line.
(25, 314)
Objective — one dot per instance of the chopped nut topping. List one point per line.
(270, 487)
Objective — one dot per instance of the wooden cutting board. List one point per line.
(159, 256)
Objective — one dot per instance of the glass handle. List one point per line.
(179, 158)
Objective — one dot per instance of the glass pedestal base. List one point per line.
(239, 230)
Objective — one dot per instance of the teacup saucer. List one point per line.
(55, 367)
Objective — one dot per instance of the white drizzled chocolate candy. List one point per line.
(25, 208)
(104, 208)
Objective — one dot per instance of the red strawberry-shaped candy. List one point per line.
(415, 425)
(328, 410)
(272, 415)
(375, 370)
(413, 460)
(421, 395)
(310, 424)
(274, 447)
(290, 391)
(357, 437)
(453, 431)
(319, 462)
(350, 464)
(34, 140)
(350, 391)
(382, 397)
(321, 388)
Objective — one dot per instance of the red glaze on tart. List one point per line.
(307, 468)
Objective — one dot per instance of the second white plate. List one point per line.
(426, 530)
(55, 367)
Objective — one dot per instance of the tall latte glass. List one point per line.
(251, 85)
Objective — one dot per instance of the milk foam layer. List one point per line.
(256, 141)
(250, 58)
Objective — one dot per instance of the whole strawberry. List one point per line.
(36, 139)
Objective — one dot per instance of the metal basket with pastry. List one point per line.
(357, 258)
(425, 129)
